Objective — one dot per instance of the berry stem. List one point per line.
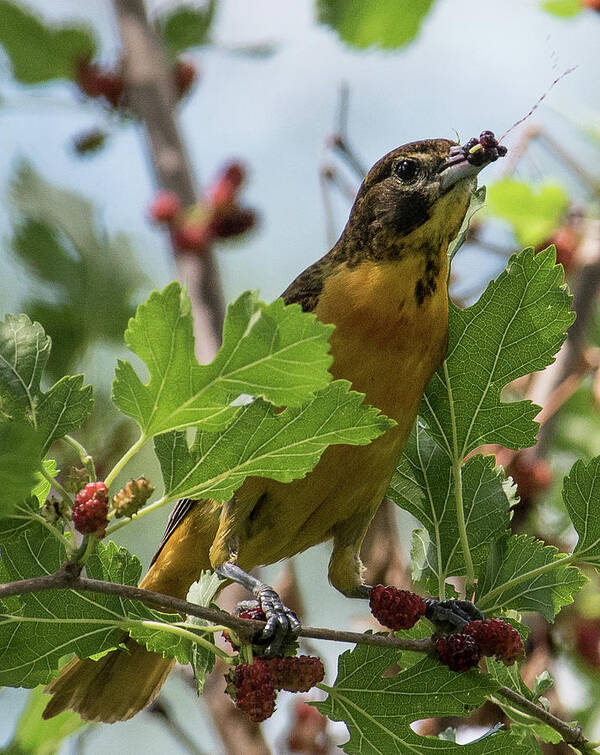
(129, 454)
(85, 550)
(56, 485)
(181, 631)
(51, 528)
(86, 459)
(147, 510)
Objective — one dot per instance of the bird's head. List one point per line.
(416, 194)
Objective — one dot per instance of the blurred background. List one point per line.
(280, 108)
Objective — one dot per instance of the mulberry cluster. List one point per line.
(90, 509)
(496, 637)
(253, 685)
(295, 674)
(396, 609)
(459, 652)
(217, 215)
(486, 637)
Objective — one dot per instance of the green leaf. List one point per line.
(19, 459)
(386, 23)
(63, 408)
(523, 725)
(53, 623)
(186, 26)
(581, 493)
(269, 350)
(60, 242)
(176, 640)
(40, 52)
(476, 203)
(523, 574)
(534, 213)
(24, 351)
(515, 328)
(163, 638)
(42, 488)
(424, 486)
(34, 736)
(563, 8)
(281, 446)
(378, 710)
(26, 509)
(202, 593)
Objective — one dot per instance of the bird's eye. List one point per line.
(406, 170)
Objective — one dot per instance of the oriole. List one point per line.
(383, 285)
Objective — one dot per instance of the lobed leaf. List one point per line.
(385, 23)
(40, 52)
(186, 26)
(35, 736)
(563, 8)
(24, 351)
(581, 494)
(53, 623)
(260, 442)
(519, 576)
(515, 328)
(534, 213)
(379, 710)
(61, 243)
(271, 351)
(19, 460)
(423, 485)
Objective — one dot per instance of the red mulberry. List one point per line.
(497, 637)
(394, 608)
(459, 652)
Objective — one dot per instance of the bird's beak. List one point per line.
(468, 160)
(458, 165)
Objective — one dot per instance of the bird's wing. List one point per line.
(181, 509)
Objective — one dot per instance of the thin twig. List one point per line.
(163, 713)
(573, 735)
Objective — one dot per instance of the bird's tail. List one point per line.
(114, 688)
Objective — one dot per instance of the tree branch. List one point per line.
(67, 578)
(151, 95)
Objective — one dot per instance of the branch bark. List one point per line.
(65, 578)
(152, 98)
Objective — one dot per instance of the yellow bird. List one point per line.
(383, 285)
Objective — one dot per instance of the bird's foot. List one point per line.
(452, 614)
(282, 625)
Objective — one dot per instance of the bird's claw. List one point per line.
(282, 624)
(454, 613)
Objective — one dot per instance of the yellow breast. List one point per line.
(388, 340)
